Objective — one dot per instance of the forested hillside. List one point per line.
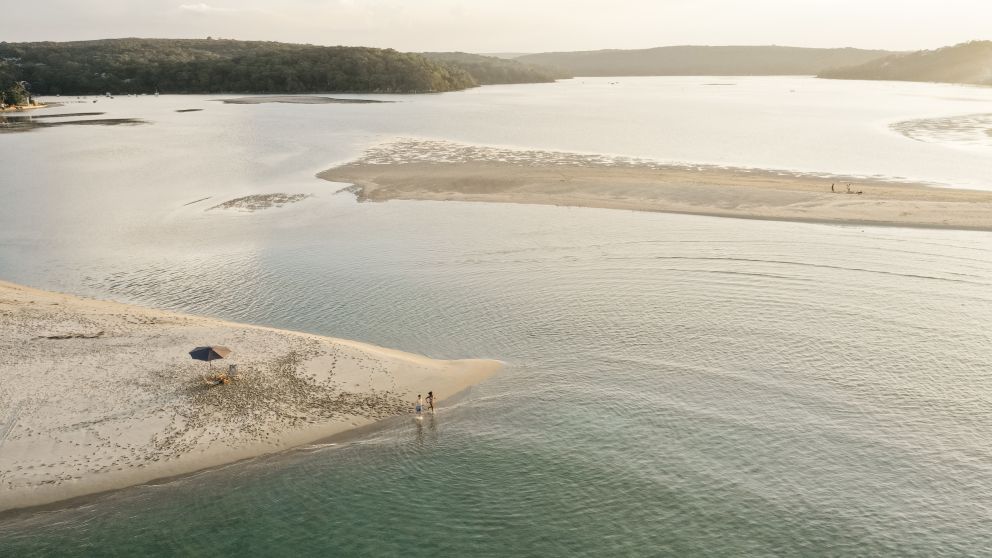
(488, 70)
(965, 63)
(703, 60)
(123, 66)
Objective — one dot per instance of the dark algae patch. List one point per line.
(297, 100)
(64, 115)
(258, 202)
(14, 124)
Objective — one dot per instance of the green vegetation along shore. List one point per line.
(123, 66)
(966, 63)
(489, 70)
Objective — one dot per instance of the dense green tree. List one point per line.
(16, 94)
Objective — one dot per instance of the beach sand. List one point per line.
(100, 395)
(438, 170)
(21, 108)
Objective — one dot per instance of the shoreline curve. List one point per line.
(446, 171)
(99, 396)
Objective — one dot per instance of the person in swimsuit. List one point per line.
(430, 401)
(419, 408)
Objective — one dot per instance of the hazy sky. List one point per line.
(515, 25)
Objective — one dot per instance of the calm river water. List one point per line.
(677, 385)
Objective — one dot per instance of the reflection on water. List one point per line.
(677, 385)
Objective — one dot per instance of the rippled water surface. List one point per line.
(676, 385)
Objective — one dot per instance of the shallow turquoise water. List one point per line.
(676, 385)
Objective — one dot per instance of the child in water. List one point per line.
(419, 408)
(430, 401)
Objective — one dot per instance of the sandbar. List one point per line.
(20, 108)
(100, 395)
(445, 171)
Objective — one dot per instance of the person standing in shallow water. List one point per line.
(420, 407)
(430, 401)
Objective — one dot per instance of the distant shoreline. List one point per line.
(428, 171)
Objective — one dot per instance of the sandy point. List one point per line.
(100, 395)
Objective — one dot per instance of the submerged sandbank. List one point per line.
(438, 170)
(258, 202)
(101, 395)
(298, 100)
(11, 124)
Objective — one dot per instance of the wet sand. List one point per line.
(100, 395)
(437, 170)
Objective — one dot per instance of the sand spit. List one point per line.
(258, 202)
(297, 100)
(22, 108)
(100, 395)
(439, 170)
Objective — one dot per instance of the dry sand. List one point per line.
(437, 170)
(99, 395)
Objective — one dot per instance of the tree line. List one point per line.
(489, 70)
(126, 66)
(969, 63)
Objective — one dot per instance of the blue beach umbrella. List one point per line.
(209, 353)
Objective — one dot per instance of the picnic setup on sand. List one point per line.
(210, 353)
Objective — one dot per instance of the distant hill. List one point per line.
(704, 60)
(965, 63)
(507, 55)
(123, 66)
(489, 70)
